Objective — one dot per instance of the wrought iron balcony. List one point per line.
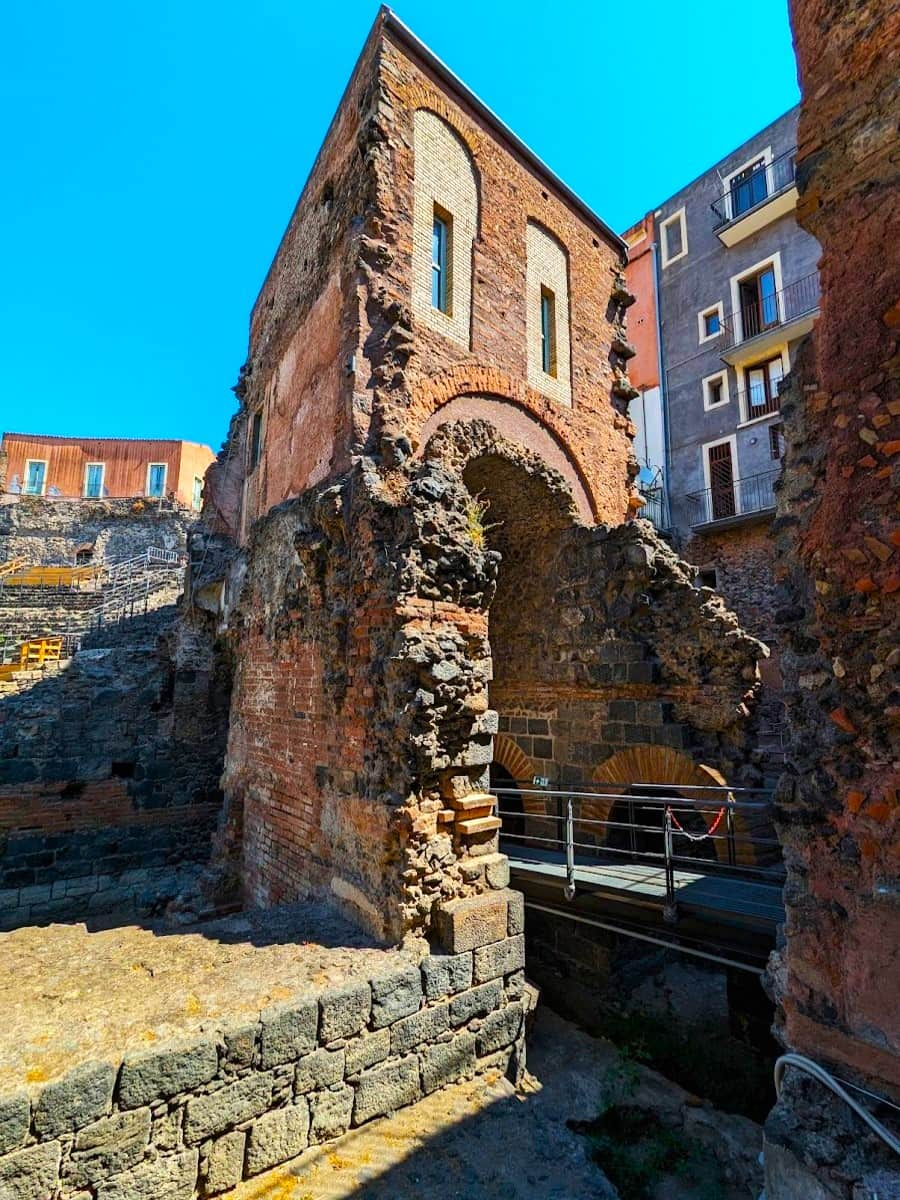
(755, 402)
(656, 508)
(770, 317)
(733, 501)
(756, 188)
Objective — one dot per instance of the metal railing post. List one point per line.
(569, 890)
(670, 908)
(729, 829)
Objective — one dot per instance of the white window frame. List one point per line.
(730, 176)
(773, 260)
(744, 418)
(663, 242)
(719, 308)
(87, 467)
(150, 466)
(45, 463)
(735, 469)
(726, 391)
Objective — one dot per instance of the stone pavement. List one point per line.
(471, 1142)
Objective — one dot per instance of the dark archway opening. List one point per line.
(509, 801)
(637, 826)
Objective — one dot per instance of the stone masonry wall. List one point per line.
(743, 561)
(43, 531)
(109, 774)
(838, 568)
(208, 1111)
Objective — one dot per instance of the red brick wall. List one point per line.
(839, 556)
(592, 434)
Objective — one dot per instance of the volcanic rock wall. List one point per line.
(839, 574)
(43, 531)
(109, 774)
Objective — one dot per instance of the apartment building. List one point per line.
(34, 464)
(734, 289)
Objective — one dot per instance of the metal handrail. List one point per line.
(720, 803)
(740, 497)
(762, 185)
(769, 312)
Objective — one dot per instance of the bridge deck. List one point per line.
(718, 896)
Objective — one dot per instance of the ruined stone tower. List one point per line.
(428, 481)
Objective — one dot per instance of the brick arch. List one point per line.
(510, 755)
(420, 96)
(453, 395)
(662, 764)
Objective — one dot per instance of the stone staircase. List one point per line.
(130, 590)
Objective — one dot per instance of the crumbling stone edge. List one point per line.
(203, 1113)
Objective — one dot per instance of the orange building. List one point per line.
(38, 465)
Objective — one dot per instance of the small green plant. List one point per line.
(476, 510)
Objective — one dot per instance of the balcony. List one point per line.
(656, 508)
(755, 402)
(734, 503)
(762, 196)
(770, 321)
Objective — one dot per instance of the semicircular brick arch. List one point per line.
(662, 764)
(511, 756)
(513, 420)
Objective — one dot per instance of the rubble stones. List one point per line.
(278, 1136)
(76, 1100)
(345, 1012)
(15, 1117)
(396, 995)
(158, 1074)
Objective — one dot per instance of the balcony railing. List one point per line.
(756, 402)
(772, 311)
(768, 180)
(656, 508)
(733, 500)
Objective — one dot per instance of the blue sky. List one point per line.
(153, 153)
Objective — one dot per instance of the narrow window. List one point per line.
(255, 439)
(748, 187)
(714, 395)
(763, 384)
(759, 302)
(197, 497)
(711, 323)
(548, 332)
(93, 480)
(776, 440)
(440, 257)
(35, 477)
(721, 481)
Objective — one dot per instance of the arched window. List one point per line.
(445, 220)
(547, 315)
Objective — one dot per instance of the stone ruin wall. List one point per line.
(360, 606)
(43, 531)
(838, 576)
(109, 777)
(243, 1095)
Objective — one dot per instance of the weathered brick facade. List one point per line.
(415, 483)
(837, 566)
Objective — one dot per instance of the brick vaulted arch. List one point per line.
(518, 413)
(661, 764)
